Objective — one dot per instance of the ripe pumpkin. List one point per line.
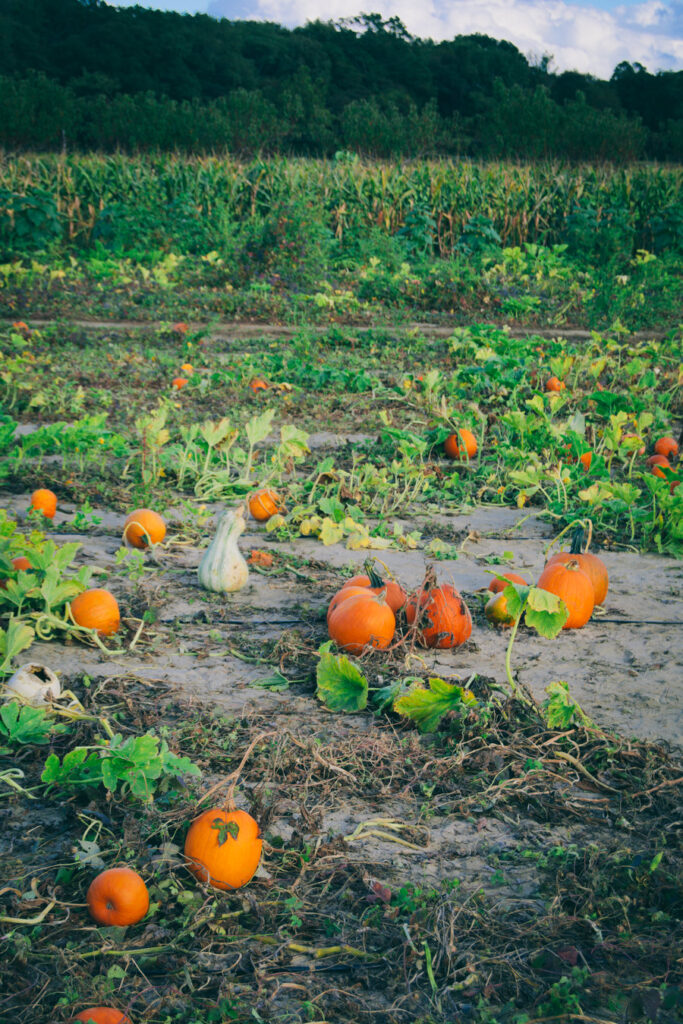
(21, 564)
(496, 585)
(102, 1015)
(667, 447)
(258, 384)
(461, 445)
(594, 568)
(496, 610)
(142, 528)
(568, 582)
(554, 384)
(395, 594)
(178, 383)
(442, 617)
(118, 896)
(344, 594)
(655, 462)
(226, 864)
(44, 501)
(187, 368)
(264, 504)
(96, 609)
(361, 620)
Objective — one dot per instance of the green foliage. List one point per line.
(15, 639)
(23, 724)
(340, 685)
(426, 708)
(561, 710)
(139, 765)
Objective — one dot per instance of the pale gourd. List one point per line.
(33, 684)
(222, 569)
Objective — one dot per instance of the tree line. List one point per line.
(83, 75)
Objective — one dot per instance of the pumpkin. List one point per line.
(178, 383)
(554, 384)
(223, 569)
(667, 447)
(219, 857)
(496, 585)
(258, 384)
(344, 594)
(44, 501)
(440, 615)
(586, 460)
(118, 896)
(361, 620)
(264, 504)
(496, 610)
(568, 582)
(21, 564)
(634, 437)
(187, 368)
(142, 528)
(594, 568)
(395, 594)
(656, 462)
(33, 684)
(102, 1015)
(96, 609)
(461, 445)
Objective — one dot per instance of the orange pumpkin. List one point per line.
(442, 617)
(568, 582)
(142, 528)
(96, 609)
(586, 460)
(361, 620)
(667, 447)
(118, 896)
(343, 595)
(656, 462)
(187, 368)
(216, 856)
(178, 383)
(554, 384)
(395, 594)
(461, 445)
(594, 568)
(496, 585)
(258, 384)
(44, 501)
(264, 504)
(102, 1015)
(21, 563)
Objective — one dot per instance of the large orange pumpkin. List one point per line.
(44, 501)
(395, 594)
(554, 384)
(361, 620)
(594, 568)
(656, 462)
(496, 585)
(142, 528)
(667, 447)
(442, 617)
(96, 609)
(215, 855)
(102, 1015)
(118, 896)
(461, 445)
(568, 582)
(264, 504)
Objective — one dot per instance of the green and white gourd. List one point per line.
(223, 569)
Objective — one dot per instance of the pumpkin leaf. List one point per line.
(258, 427)
(331, 532)
(545, 612)
(24, 724)
(341, 686)
(427, 707)
(225, 829)
(560, 709)
(16, 638)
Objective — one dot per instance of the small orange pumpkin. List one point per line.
(667, 447)
(178, 383)
(442, 617)
(361, 620)
(568, 582)
(496, 585)
(554, 384)
(142, 528)
(118, 896)
(21, 564)
(395, 594)
(461, 445)
(44, 501)
(187, 368)
(102, 1015)
(215, 855)
(257, 384)
(264, 504)
(656, 462)
(96, 609)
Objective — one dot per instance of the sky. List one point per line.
(591, 36)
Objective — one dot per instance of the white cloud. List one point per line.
(581, 38)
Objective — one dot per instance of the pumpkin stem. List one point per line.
(374, 577)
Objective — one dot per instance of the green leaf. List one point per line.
(16, 638)
(225, 829)
(341, 687)
(427, 707)
(560, 709)
(24, 724)
(330, 532)
(545, 612)
(258, 427)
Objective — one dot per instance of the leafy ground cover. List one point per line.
(488, 833)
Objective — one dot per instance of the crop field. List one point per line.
(422, 801)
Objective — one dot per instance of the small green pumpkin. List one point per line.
(223, 569)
